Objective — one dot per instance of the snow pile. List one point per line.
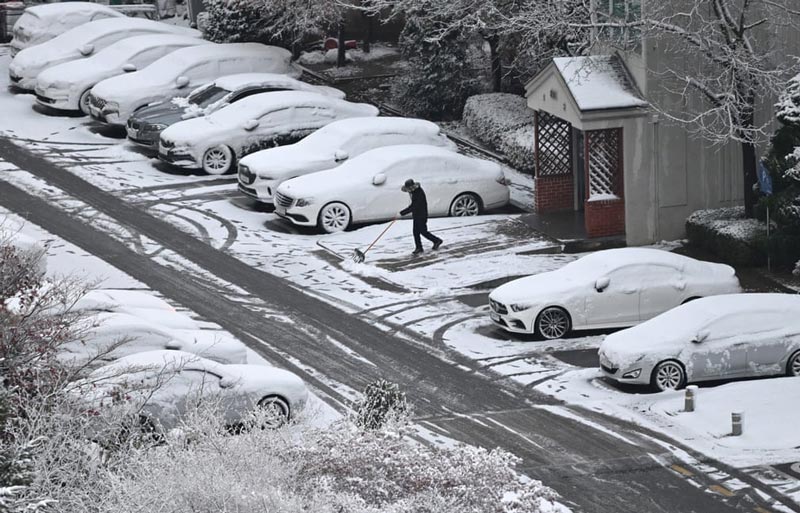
(727, 233)
(354, 55)
(504, 122)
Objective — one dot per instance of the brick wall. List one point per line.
(554, 193)
(604, 218)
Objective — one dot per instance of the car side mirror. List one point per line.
(701, 336)
(340, 155)
(87, 49)
(602, 284)
(226, 382)
(182, 82)
(379, 179)
(129, 67)
(250, 124)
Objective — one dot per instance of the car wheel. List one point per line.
(83, 101)
(334, 217)
(668, 375)
(466, 204)
(553, 322)
(276, 412)
(793, 365)
(218, 160)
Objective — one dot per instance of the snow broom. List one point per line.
(359, 256)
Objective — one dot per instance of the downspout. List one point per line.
(656, 169)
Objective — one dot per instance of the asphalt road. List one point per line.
(614, 470)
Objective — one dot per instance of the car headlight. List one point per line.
(156, 127)
(304, 202)
(519, 307)
(632, 374)
(111, 108)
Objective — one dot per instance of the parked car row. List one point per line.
(689, 320)
(216, 107)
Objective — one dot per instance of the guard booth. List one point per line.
(584, 109)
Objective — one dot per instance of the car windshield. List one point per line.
(207, 96)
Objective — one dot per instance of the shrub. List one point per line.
(727, 233)
(382, 402)
(504, 122)
(233, 21)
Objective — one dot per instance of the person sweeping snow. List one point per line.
(419, 213)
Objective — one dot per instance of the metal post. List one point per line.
(691, 394)
(737, 423)
(769, 267)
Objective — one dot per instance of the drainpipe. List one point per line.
(656, 153)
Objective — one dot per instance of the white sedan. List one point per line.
(136, 303)
(66, 86)
(214, 142)
(41, 23)
(115, 99)
(111, 335)
(163, 386)
(608, 289)
(81, 42)
(262, 172)
(368, 188)
(721, 337)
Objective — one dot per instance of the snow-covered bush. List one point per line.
(439, 78)
(233, 21)
(382, 402)
(340, 468)
(729, 234)
(504, 122)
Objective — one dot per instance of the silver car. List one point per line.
(719, 337)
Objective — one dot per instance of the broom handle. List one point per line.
(381, 235)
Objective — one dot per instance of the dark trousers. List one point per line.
(421, 228)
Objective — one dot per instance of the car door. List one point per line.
(145, 57)
(719, 349)
(383, 200)
(774, 337)
(189, 389)
(661, 290)
(617, 303)
(442, 180)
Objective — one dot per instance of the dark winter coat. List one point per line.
(418, 207)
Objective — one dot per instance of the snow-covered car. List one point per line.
(146, 125)
(214, 142)
(720, 337)
(608, 289)
(81, 42)
(41, 23)
(66, 86)
(164, 385)
(367, 188)
(136, 303)
(114, 100)
(262, 172)
(111, 335)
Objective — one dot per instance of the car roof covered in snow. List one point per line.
(244, 80)
(94, 29)
(611, 259)
(262, 103)
(179, 58)
(60, 9)
(166, 359)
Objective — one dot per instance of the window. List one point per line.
(623, 12)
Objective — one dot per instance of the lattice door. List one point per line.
(604, 162)
(553, 145)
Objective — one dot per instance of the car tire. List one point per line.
(668, 375)
(465, 204)
(218, 160)
(83, 101)
(334, 217)
(793, 365)
(278, 410)
(552, 323)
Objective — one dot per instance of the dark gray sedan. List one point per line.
(146, 125)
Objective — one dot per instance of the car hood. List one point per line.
(31, 60)
(190, 132)
(164, 113)
(626, 347)
(552, 287)
(72, 73)
(287, 161)
(131, 87)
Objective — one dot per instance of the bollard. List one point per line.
(737, 423)
(689, 400)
